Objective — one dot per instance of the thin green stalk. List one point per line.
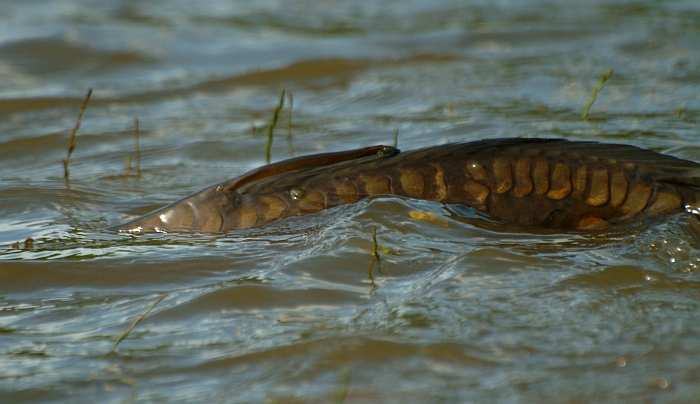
(275, 117)
(289, 125)
(374, 239)
(375, 256)
(137, 153)
(138, 318)
(396, 138)
(344, 381)
(603, 79)
(71, 145)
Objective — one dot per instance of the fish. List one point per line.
(543, 183)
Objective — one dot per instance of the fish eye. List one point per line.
(296, 193)
(386, 151)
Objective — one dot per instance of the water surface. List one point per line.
(291, 312)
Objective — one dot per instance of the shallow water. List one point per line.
(292, 312)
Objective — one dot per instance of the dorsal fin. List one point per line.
(311, 161)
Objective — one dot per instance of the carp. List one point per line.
(548, 183)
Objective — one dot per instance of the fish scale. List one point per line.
(552, 183)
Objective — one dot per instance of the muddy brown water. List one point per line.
(291, 312)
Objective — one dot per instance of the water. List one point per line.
(291, 312)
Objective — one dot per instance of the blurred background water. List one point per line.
(290, 312)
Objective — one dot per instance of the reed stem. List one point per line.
(273, 123)
(138, 318)
(603, 79)
(71, 144)
(137, 153)
(289, 124)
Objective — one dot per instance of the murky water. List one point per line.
(291, 312)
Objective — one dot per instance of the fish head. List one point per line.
(202, 212)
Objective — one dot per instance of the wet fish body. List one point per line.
(550, 183)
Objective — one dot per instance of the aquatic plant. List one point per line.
(71, 144)
(603, 79)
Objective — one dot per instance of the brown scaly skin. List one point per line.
(551, 183)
